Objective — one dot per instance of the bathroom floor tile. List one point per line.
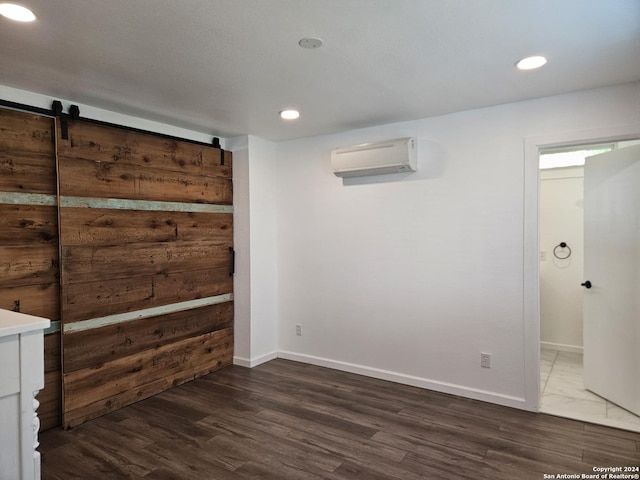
(570, 358)
(561, 383)
(564, 395)
(563, 406)
(616, 413)
(548, 355)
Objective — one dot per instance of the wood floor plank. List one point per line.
(260, 448)
(277, 471)
(342, 443)
(239, 423)
(285, 420)
(447, 467)
(421, 444)
(354, 470)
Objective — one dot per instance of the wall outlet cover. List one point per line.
(485, 360)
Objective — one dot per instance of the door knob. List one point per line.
(586, 284)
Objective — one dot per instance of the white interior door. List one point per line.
(612, 266)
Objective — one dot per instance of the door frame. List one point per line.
(531, 267)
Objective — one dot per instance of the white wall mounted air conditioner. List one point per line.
(392, 156)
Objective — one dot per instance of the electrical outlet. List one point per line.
(299, 329)
(485, 360)
(543, 256)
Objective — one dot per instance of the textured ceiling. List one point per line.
(227, 67)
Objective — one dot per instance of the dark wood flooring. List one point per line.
(287, 420)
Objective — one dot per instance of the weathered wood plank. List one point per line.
(116, 145)
(89, 264)
(42, 300)
(196, 226)
(93, 226)
(50, 398)
(26, 265)
(29, 239)
(25, 132)
(90, 178)
(52, 350)
(88, 348)
(28, 225)
(92, 392)
(228, 159)
(82, 301)
(102, 381)
(27, 173)
(184, 286)
(85, 300)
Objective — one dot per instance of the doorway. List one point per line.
(561, 272)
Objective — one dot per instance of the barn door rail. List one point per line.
(56, 110)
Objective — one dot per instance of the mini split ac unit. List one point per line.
(392, 156)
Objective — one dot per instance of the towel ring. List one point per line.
(561, 245)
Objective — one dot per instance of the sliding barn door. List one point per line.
(146, 229)
(29, 238)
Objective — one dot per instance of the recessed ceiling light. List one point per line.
(310, 42)
(16, 12)
(530, 63)
(289, 114)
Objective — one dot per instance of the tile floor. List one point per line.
(563, 394)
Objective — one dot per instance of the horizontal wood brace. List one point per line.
(125, 204)
(53, 328)
(145, 313)
(17, 198)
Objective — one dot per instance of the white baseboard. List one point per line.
(492, 397)
(254, 362)
(242, 362)
(561, 347)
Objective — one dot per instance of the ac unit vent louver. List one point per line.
(392, 156)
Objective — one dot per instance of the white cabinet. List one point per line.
(21, 377)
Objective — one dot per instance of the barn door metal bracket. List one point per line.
(216, 144)
(64, 128)
(56, 109)
(74, 112)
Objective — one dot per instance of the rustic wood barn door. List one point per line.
(29, 238)
(146, 231)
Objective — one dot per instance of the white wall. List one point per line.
(255, 281)
(263, 241)
(411, 277)
(561, 220)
